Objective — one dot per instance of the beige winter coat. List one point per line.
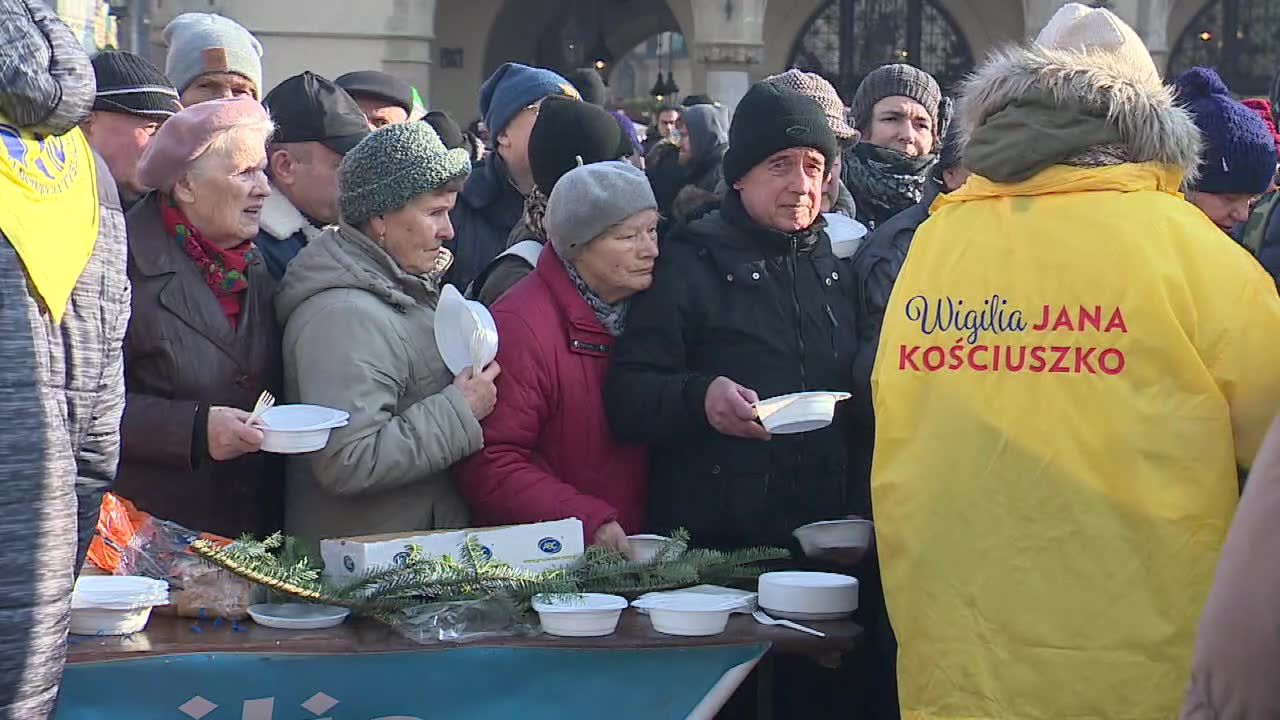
(359, 336)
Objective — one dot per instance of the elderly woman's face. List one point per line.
(223, 193)
(412, 235)
(619, 263)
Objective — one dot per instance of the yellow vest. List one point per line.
(1069, 372)
(49, 208)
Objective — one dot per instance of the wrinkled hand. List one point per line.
(479, 389)
(229, 435)
(612, 537)
(729, 410)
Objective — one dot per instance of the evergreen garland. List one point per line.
(384, 593)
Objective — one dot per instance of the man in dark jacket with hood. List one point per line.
(64, 306)
(698, 163)
(493, 200)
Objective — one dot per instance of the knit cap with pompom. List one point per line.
(1239, 157)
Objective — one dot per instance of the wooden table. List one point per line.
(205, 663)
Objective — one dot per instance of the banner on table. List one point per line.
(468, 682)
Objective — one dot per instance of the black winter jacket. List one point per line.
(770, 311)
(488, 207)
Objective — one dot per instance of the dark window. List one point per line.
(1240, 38)
(846, 39)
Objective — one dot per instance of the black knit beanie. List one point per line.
(590, 85)
(770, 118)
(448, 130)
(567, 134)
(131, 84)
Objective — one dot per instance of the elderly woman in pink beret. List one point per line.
(203, 341)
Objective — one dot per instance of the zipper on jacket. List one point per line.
(795, 303)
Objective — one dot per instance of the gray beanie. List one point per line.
(201, 43)
(590, 199)
(392, 166)
(890, 80)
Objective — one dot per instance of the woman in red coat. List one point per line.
(549, 453)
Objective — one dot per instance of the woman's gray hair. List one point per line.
(251, 130)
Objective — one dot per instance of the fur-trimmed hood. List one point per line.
(1136, 105)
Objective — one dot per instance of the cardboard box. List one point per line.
(535, 547)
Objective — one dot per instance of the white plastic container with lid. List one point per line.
(114, 604)
(808, 595)
(582, 615)
(689, 614)
(294, 429)
(799, 412)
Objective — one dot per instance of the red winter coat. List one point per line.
(548, 451)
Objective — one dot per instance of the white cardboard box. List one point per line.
(535, 547)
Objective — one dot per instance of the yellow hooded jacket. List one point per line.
(1070, 370)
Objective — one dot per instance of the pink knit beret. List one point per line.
(186, 135)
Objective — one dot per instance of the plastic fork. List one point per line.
(764, 619)
(266, 401)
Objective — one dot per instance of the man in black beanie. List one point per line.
(748, 302)
(133, 99)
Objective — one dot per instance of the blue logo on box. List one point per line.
(485, 552)
(550, 545)
(348, 563)
(401, 558)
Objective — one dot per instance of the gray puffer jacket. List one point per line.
(360, 336)
(61, 386)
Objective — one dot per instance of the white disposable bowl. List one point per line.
(293, 429)
(798, 412)
(644, 548)
(583, 615)
(298, 616)
(103, 621)
(808, 595)
(688, 614)
(114, 604)
(847, 534)
(846, 234)
(457, 321)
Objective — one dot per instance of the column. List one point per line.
(728, 43)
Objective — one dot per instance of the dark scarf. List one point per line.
(224, 271)
(884, 182)
(612, 317)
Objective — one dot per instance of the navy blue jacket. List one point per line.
(488, 207)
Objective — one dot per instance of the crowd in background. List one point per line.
(1052, 296)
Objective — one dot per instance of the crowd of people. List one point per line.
(1053, 297)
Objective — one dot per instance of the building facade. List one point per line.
(446, 48)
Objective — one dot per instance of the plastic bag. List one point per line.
(131, 542)
(466, 621)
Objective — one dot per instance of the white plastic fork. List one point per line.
(764, 619)
(266, 401)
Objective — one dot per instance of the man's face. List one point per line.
(218, 86)
(686, 142)
(667, 120)
(307, 174)
(1226, 211)
(514, 140)
(785, 191)
(380, 112)
(902, 124)
(120, 140)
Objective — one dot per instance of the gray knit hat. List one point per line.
(202, 43)
(392, 166)
(817, 87)
(890, 80)
(591, 199)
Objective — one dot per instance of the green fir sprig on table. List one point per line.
(278, 564)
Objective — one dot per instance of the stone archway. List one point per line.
(541, 32)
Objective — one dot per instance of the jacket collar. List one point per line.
(489, 182)
(586, 334)
(281, 220)
(1131, 99)
(1062, 179)
(184, 293)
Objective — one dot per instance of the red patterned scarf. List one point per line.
(225, 271)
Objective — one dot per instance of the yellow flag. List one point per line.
(49, 208)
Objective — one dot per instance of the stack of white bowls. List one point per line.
(115, 604)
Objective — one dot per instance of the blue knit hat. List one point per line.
(1239, 157)
(513, 87)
